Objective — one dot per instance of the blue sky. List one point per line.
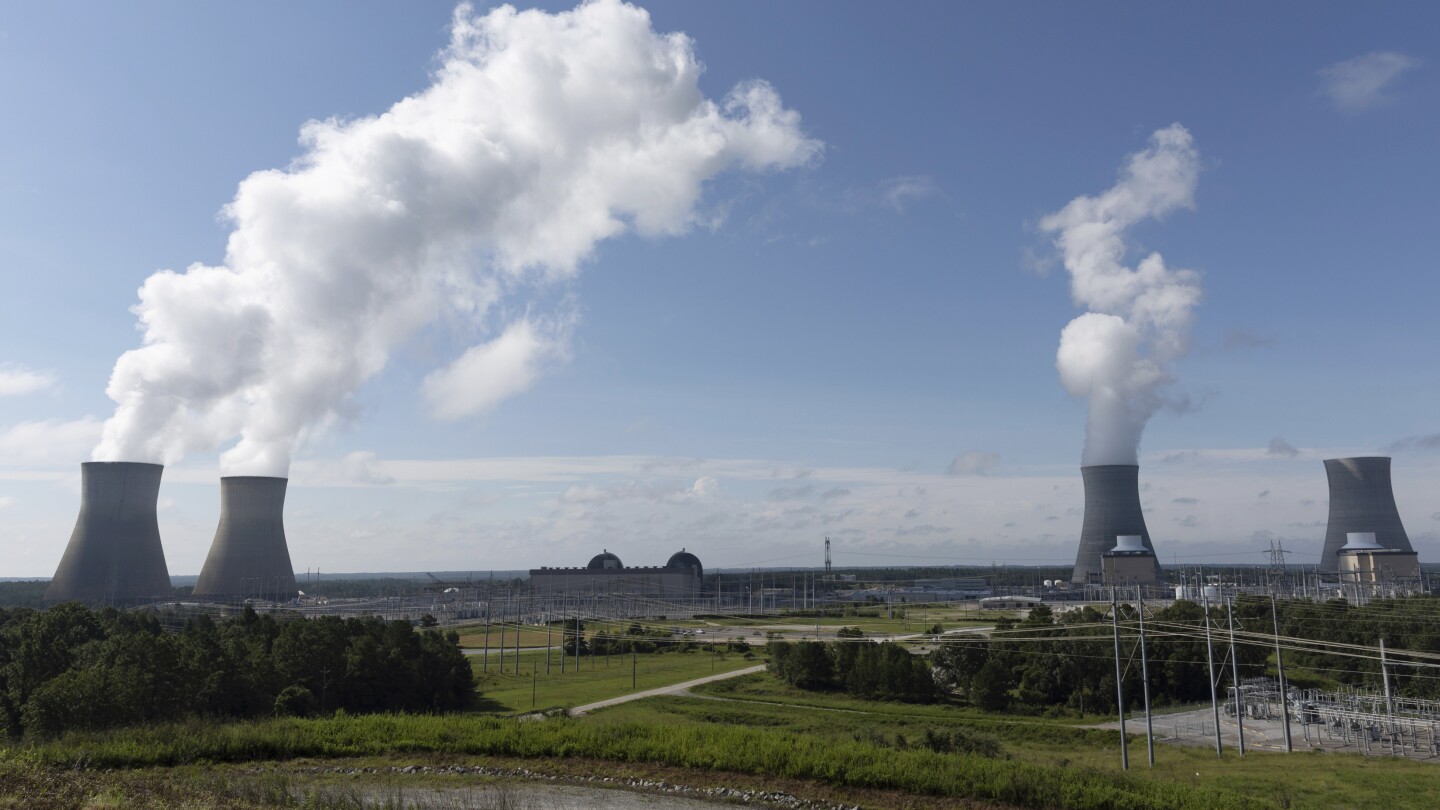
(821, 338)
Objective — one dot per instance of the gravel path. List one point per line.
(664, 690)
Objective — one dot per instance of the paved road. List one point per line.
(664, 690)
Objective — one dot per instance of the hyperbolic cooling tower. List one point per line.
(249, 557)
(1112, 509)
(1361, 500)
(114, 555)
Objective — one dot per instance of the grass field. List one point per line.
(753, 725)
(1317, 780)
(598, 678)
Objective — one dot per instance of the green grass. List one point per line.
(594, 681)
(1317, 780)
(707, 746)
(528, 638)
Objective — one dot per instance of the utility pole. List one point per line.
(548, 625)
(1210, 668)
(1119, 682)
(1280, 671)
(1385, 676)
(485, 661)
(1145, 678)
(1235, 674)
(502, 639)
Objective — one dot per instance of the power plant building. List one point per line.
(682, 575)
(1128, 563)
(114, 555)
(1361, 501)
(1363, 561)
(249, 557)
(1112, 511)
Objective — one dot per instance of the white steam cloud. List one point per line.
(1119, 353)
(541, 135)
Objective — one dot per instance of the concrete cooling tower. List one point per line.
(1361, 500)
(1112, 510)
(249, 557)
(114, 555)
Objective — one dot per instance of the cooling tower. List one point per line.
(249, 557)
(1112, 510)
(1361, 500)
(114, 555)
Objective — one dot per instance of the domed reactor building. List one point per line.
(682, 575)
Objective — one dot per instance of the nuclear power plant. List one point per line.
(1361, 501)
(114, 555)
(1112, 511)
(249, 556)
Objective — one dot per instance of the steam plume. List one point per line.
(539, 136)
(1119, 353)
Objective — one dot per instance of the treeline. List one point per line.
(872, 671)
(73, 668)
(1045, 662)
(1406, 624)
(23, 593)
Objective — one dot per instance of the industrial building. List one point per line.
(114, 555)
(249, 557)
(1112, 510)
(1129, 563)
(1361, 501)
(681, 575)
(1363, 561)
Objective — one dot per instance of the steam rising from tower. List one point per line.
(540, 136)
(1361, 500)
(1119, 353)
(1112, 509)
(249, 556)
(114, 555)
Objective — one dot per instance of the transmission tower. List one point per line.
(1276, 571)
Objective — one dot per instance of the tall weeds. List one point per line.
(720, 748)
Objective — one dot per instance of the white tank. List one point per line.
(1049, 583)
(1212, 593)
(1182, 592)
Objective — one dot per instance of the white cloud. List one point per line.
(973, 462)
(897, 192)
(48, 443)
(16, 380)
(1358, 84)
(486, 374)
(359, 468)
(541, 136)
